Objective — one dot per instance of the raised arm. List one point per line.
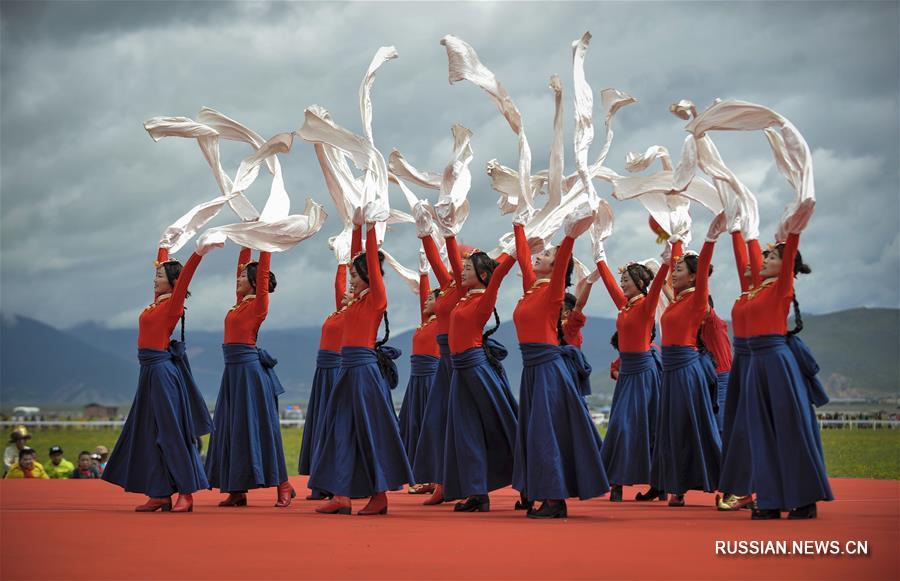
(489, 300)
(560, 265)
(424, 289)
(455, 259)
(659, 281)
(785, 283)
(434, 259)
(243, 260)
(523, 257)
(755, 261)
(376, 281)
(583, 291)
(701, 283)
(356, 242)
(179, 293)
(741, 259)
(261, 303)
(340, 285)
(612, 287)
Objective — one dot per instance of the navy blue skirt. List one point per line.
(687, 453)
(628, 447)
(360, 453)
(428, 460)
(328, 364)
(412, 411)
(786, 447)
(245, 449)
(721, 393)
(481, 428)
(737, 473)
(556, 453)
(156, 453)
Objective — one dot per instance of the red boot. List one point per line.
(154, 504)
(437, 497)
(337, 505)
(235, 499)
(377, 505)
(285, 494)
(185, 503)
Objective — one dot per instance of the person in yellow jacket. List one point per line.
(26, 467)
(58, 467)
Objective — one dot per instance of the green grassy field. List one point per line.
(848, 453)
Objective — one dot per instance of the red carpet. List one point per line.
(87, 530)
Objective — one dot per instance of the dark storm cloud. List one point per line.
(85, 192)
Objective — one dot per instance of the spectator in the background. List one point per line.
(103, 452)
(18, 440)
(86, 468)
(58, 467)
(27, 467)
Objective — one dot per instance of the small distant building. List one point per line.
(95, 411)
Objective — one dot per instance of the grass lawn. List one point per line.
(848, 453)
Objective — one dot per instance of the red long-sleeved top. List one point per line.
(768, 305)
(363, 316)
(243, 321)
(636, 317)
(744, 255)
(537, 313)
(474, 309)
(449, 283)
(572, 325)
(714, 333)
(333, 327)
(681, 320)
(425, 337)
(157, 321)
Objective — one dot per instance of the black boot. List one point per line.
(676, 500)
(477, 503)
(652, 494)
(548, 510)
(808, 511)
(615, 493)
(524, 504)
(765, 513)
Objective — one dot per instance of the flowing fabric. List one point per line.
(578, 367)
(245, 450)
(361, 452)
(687, 450)
(481, 428)
(737, 473)
(328, 364)
(156, 453)
(428, 465)
(785, 444)
(721, 392)
(412, 411)
(556, 452)
(628, 447)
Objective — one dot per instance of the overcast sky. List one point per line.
(86, 193)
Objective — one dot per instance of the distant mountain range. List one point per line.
(41, 365)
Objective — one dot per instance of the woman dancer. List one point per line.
(428, 463)
(687, 450)
(361, 453)
(328, 363)
(155, 453)
(714, 334)
(630, 437)
(736, 479)
(788, 465)
(556, 454)
(481, 415)
(423, 366)
(245, 449)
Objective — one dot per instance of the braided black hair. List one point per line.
(640, 275)
(172, 269)
(362, 267)
(569, 270)
(251, 268)
(484, 266)
(692, 260)
(487, 350)
(387, 332)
